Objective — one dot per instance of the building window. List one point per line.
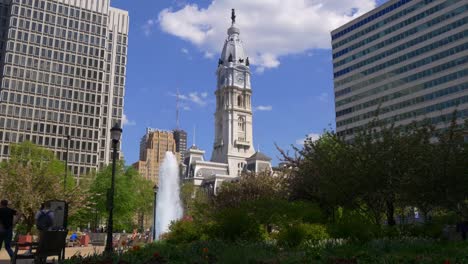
(241, 124)
(240, 101)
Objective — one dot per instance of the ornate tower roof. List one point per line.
(233, 50)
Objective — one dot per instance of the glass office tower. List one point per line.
(62, 73)
(404, 61)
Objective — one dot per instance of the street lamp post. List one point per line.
(155, 188)
(66, 165)
(116, 132)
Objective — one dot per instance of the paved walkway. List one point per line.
(69, 251)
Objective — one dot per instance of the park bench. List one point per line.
(98, 239)
(51, 243)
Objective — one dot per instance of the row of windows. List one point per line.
(463, 114)
(370, 18)
(47, 141)
(409, 44)
(407, 103)
(49, 90)
(52, 79)
(56, 55)
(24, 124)
(428, 60)
(411, 114)
(43, 115)
(383, 22)
(54, 43)
(62, 33)
(51, 104)
(39, 20)
(400, 59)
(399, 26)
(89, 159)
(405, 80)
(411, 90)
(63, 10)
(46, 64)
(411, 32)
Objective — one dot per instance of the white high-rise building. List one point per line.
(62, 73)
(233, 150)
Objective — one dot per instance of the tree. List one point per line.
(32, 176)
(250, 187)
(133, 195)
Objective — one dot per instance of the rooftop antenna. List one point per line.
(258, 148)
(177, 108)
(193, 140)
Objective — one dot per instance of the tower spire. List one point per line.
(233, 16)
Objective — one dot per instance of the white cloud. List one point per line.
(209, 55)
(312, 136)
(126, 121)
(149, 26)
(323, 97)
(264, 108)
(270, 28)
(184, 50)
(200, 99)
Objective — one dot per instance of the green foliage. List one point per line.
(355, 226)
(34, 175)
(296, 234)
(184, 231)
(385, 169)
(404, 250)
(133, 194)
(315, 232)
(291, 236)
(236, 225)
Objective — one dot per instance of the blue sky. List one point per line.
(175, 44)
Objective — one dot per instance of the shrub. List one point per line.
(296, 234)
(354, 226)
(291, 236)
(433, 230)
(184, 231)
(236, 224)
(315, 232)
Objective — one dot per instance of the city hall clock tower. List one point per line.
(233, 142)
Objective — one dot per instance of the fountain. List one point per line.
(168, 204)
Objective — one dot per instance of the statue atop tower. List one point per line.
(233, 16)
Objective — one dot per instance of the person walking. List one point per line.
(7, 221)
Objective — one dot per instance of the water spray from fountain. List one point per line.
(168, 204)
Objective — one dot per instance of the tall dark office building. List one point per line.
(406, 60)
(180, 137)
(62, 72)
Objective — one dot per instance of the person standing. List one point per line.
(7, 221)
(44, 218)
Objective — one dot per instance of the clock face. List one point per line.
(240, 78)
